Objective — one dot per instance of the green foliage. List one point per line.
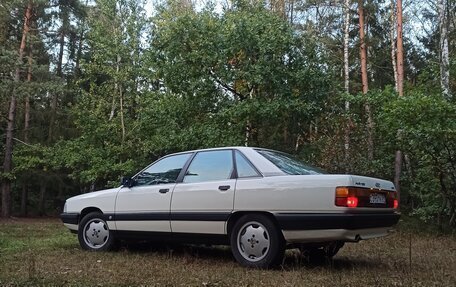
(245, 65)
(427, 134)
(134, 88)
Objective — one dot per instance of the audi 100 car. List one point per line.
(258, 201)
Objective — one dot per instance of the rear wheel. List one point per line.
(257, 242)
(94, 233)
(316, 253)
(332, 248)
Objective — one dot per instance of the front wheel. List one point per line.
(257, 242)
(94, 233)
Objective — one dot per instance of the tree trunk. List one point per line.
(24, 195)
(400, 51)
(59, 73)
(278, 6)
(247, 133)
(26, 119)
(291, 4)
(347, 81)
(362, 48)
(42, 201)
(7, 162)
(27, 99)
(61, 49)
(444, 54)
(248, 125)
(400, 90)
(397, 171)
(77, 70)
(118, 86)
(393, 44)
(122, 121)
(24, 198)
(53, 115)
(364, 79)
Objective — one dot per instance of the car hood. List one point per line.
(100, 193)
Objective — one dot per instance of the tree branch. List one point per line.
(225, 86)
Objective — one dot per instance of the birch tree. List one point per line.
(347, 77)
(400, 50)
(393, 43)
(444, 53)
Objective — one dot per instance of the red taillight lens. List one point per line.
(352, 201)
(365, 197)
(345, 197)
(396, 204)
(341, 201)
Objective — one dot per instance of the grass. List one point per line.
(41, 252)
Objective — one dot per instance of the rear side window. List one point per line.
(210, 166)
(289, 164)
(244, 167)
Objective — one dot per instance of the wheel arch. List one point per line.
(238, 214)
(88, 210)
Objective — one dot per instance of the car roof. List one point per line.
(266, 167)
(213, 148)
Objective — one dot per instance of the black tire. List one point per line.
(268, 245)
(98, 239)
(316, 254)
(332, 248)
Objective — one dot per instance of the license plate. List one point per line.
(377, 198)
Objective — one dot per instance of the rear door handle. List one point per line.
(163, 190)
(224, 187)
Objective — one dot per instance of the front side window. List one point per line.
(210, 166)
(165, 170)
(289, 164)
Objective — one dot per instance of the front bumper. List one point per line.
(69, 218)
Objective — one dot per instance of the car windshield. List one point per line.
(288, 163)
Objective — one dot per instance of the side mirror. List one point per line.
(127, 181)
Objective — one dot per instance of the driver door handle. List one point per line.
(224, 187)
(163, 190)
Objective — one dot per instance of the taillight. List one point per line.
(352, 201)
(345, 197)
(365, 197)
(396, 204)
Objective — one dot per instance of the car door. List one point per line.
(203, 201)
(145, 206)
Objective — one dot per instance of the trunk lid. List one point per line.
(372, 183)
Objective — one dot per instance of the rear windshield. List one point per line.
(288, 163)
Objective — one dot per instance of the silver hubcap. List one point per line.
(253, 241)
(96, 233)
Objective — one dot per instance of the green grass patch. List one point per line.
(45, 253)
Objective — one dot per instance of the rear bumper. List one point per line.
(325, 235)
(348, 221)
(305, 227)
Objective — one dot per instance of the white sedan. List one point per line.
(258, 201)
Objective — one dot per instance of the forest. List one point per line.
(91, 90)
